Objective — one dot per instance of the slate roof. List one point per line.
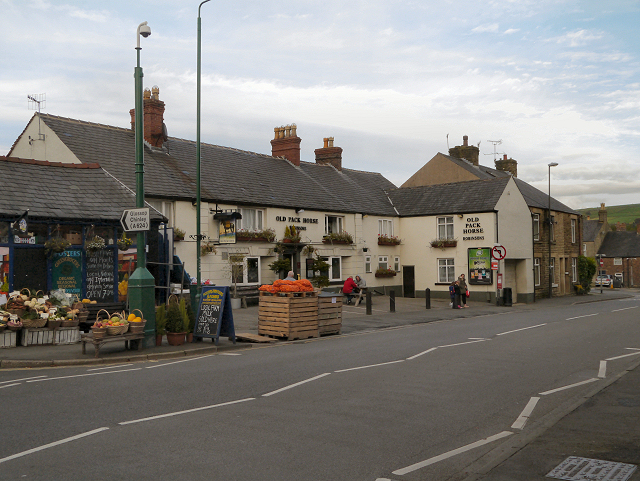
(590, 229)
(620, 244)
(455, 198)
(227, 175)
(63, 191)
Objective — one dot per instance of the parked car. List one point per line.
(605, 280)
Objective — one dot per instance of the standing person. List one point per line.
(463, 289)
(347, 289)
(452, 293)
(456, 297)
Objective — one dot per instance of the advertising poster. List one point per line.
(480, 266)
(67, 271)
(228, 231)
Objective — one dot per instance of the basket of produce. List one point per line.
(54, 323)
(117, 325)
(15, 305)
(136, 323)
(99, 328)
(32, 320)
(2, 327)
(77, 304)
(69, 322)
(14, 325)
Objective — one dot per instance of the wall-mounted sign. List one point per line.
(227, 232)
(66, 272)
(304, 220)
(480, 266)
(473, 230)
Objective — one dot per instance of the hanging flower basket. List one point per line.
(178, 234)
(124, 242)
(56, 245)
(95, 244)
(208, 248)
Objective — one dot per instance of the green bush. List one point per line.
(174, 318)
(586, 271)
(161, 320)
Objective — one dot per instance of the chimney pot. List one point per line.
(329, 155)
(153, 117)
(286, 144)
(326, 142)
(505, 156)
(146, 94)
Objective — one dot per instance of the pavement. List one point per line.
(604, 424)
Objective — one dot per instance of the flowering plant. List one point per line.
(382, 272)
(95, 244)
(124, 242)
(268, 234)
(388, 240)
(343, 236)
(208, 248)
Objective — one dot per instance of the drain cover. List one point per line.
(584, 469)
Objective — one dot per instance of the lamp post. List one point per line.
(198, 199)
(552, 164)
(141, 282)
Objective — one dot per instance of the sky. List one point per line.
(393, 82)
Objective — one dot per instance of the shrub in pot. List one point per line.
(174, 325)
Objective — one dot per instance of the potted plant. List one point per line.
(174, 325)
(319, 266)
(280, 265)
(388, 240)
(291, 235)
(445, 242)
(264, 235)
(95, 244)
(178, 234)
(208, 248)
(338, 238)
(56, 245)
(124, 242)
(161, 321)
(382, 272)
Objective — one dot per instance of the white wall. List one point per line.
(51, 148)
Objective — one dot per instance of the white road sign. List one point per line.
(136, 220)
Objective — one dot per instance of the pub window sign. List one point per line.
(480, 266)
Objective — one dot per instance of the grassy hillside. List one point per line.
(617, 213)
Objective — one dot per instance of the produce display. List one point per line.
(282, 285)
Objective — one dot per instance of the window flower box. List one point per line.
(385, 273)
(442, 243)
(265, 235)
(384, 240)
(338, 238)
(178, 234)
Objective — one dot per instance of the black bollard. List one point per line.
(368, 302)
(427, 295)
(392, 301)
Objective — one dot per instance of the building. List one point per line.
(620, 255)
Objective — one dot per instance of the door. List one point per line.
(29, 269)
(408, 281)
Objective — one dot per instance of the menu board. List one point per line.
(480, 266)
(66, 271)
(100, 275)
(215, 317)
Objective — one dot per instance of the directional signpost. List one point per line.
(136, 220)
(498, 252)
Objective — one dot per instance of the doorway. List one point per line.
(408, 281)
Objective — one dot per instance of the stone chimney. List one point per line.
(621, 226)
(507, 165)
(602, 214)
(329, 154)
(286, 143)
(153, 110)
(466, 151)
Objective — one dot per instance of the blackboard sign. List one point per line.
(100, 275)
(215, 317)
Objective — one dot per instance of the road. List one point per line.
(420, 402)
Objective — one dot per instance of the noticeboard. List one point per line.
(215, 317)
(66, 271)
(100, 275)
(480, 266)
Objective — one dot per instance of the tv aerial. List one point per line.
(37, 102)
(495, 144)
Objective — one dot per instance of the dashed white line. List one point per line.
(461, 343)
(22, 379)
(177, 362)
(50, 445)
(230, 354)
(296, 384)
(633, 348)
(602, 372)
(109, 367)
(370, 365)
(580, 317)
(421, 353)
(441, 457)
(85, 375)
(9, 385)
(624, 309)
(523, 329)
(525, 414)
(624, 355)
(186, 411)
(569, 386)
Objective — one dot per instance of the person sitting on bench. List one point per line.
(349, 288)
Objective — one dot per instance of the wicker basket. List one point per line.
(117, 330)
(14, 328)
(70, 323)
(137, 327)
(54, 324)
(19, 312)
(99, 332)
(33, 323)
(2, 327)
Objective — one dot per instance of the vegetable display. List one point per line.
(281, 285)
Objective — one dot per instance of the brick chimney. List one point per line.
(153, 111)
(507, 165)
(329, 155)
(466, 151)
(602, 214)
(621, 226)
(286, 143)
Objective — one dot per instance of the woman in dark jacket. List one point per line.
(456, 300)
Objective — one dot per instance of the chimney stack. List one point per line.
(286, 143)
(507, 165)
(466, 151)
(329, 155)
(153, 121)
(602, 214)
(621, 226)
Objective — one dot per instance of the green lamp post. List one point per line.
(141, 282)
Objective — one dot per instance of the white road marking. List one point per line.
(296, 384)
(50, 445)
(22, 379)
(9, 385)
(109, 367)
(468, 447)
(624, 355)
(186, 411)
(525, 414)
(421, 353)
(569, 386)
(461, 343)
(230, 354)
(176, 362)
(633, 348)
(84, 375)
(479, 339)
(371, 365)
(602, 372)
(523, 329)
(624, 309)
(580, 317)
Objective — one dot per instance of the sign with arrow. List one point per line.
(136, 220)
(498, 252)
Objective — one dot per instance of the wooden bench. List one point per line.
(360, 296)
(131, 341)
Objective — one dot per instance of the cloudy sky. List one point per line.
(555, 80)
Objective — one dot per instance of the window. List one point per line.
(333, 224)
(334, 271)
(552, 230)
(573, 231)
(385, 227)
(367, 264)
(383, 262)
(246, 272)
(574, 269)
(552, 268)
(536, 271)
(165, 208)
(445, 228)
(251, 219)
(396, 264)
(617, 261)
(584, 249)
(446, 271)
(536, 227)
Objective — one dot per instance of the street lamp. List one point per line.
(141, 282)
(198, 227)
(552, 164)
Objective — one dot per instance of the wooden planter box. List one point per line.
(291, 315)
(37, 336)
(8, 339)
(329, 315)
(66, 335)
(386, 275)
(329, 241)
(387, 243)
(240, 238)
(444, 244)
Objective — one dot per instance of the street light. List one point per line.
(552, 164)
(141, 282)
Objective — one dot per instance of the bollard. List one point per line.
(427, 295)
(368, 302)
(392, 301)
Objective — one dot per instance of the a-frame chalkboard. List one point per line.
(215, 317)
